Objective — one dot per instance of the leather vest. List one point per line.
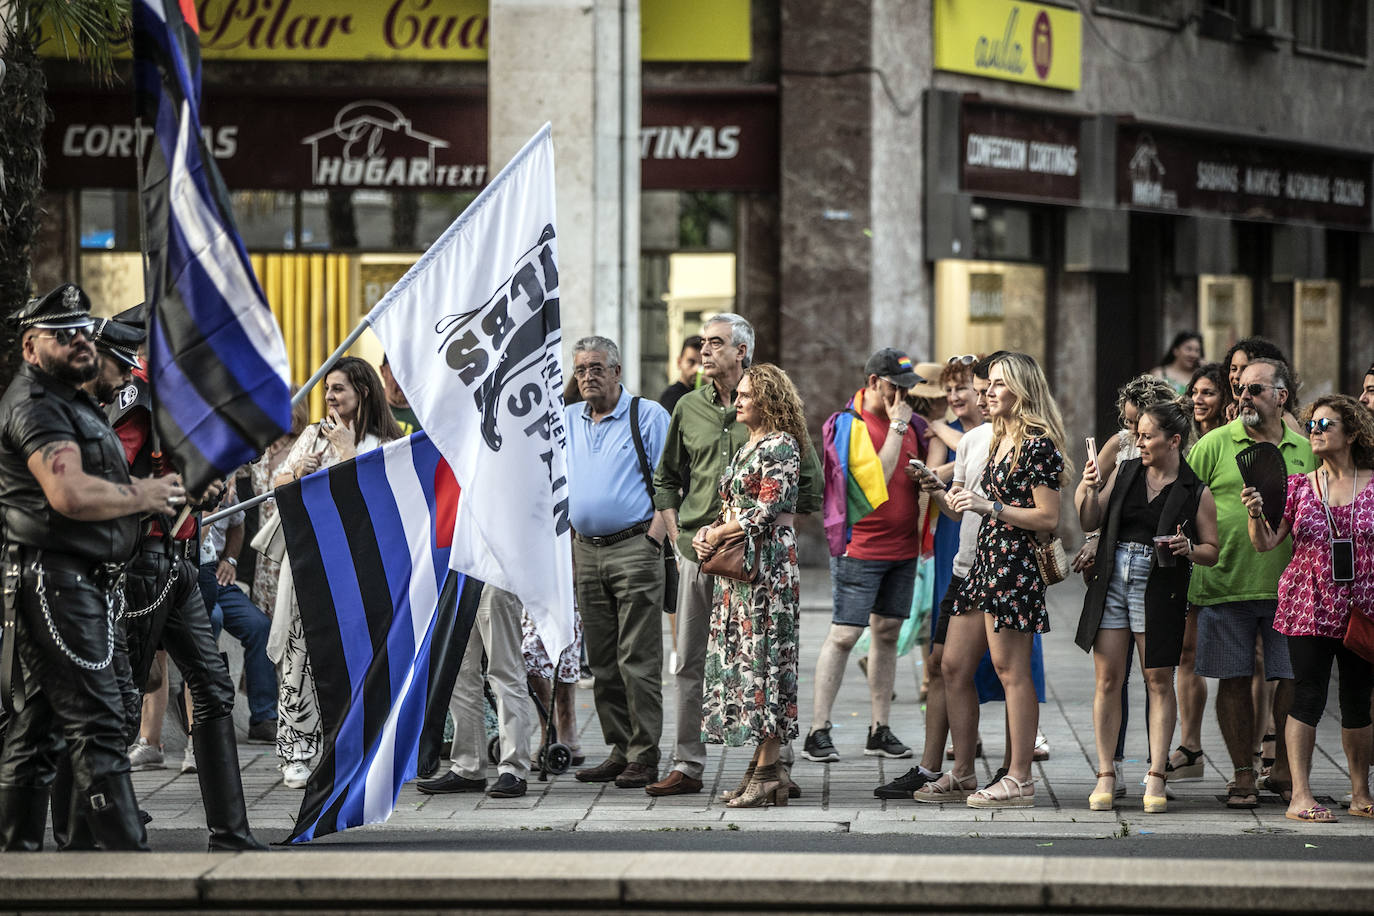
(36, 404)
(133, 397)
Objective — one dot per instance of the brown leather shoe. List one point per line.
(604, 771)
(675, 783)
(637, 776)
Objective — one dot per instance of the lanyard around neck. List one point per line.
(1326, 506)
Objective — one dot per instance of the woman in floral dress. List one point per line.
(267, 570)
(751, 659)
(1002, 603)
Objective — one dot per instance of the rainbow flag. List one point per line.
(854, 483)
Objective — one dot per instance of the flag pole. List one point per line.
(334, 357)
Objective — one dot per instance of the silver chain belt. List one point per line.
(157, 602)
(116, 594)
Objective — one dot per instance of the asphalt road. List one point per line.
(1270, 844)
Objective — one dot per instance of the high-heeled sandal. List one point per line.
(1102, 801)
(1009, 792)
(1156, 804)
(738, 790)
(764, 789)
(1190, 770)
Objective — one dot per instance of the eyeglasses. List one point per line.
(1322, 425)
(65, 336)
(1255, 388)
(595, 370)
(968, 359)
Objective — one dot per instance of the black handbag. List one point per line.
(670, 573)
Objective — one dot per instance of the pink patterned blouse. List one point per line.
(1310, 604)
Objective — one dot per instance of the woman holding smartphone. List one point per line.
(1156, 519)
(1330, 513)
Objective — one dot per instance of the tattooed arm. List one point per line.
(78, 495)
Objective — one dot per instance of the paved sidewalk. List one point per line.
(837, 797)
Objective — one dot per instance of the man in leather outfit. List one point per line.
(70, 513)
(166, 609)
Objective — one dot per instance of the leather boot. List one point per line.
(23, 815)
(69, 829)
(221, 787)
(111, 813)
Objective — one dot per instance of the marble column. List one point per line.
(575, 63)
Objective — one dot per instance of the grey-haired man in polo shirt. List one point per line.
(702, 438)
(618, 542)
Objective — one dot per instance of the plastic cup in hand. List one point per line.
(1164, 552)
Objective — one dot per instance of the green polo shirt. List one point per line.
(702, 438)
(1242, 573)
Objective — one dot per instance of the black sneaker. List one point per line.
(882, 743)
(903, 786)
(819, 747)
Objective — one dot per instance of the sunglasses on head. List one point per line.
(968, 359)
(1322, 425)
(1255, 388)
(65, 336)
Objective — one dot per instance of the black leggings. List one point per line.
(1311, 657)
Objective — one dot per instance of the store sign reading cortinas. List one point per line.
(1166, 170)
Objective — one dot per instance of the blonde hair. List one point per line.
(777, 401)
(1034, 414)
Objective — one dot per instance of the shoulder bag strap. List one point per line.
(639, 449)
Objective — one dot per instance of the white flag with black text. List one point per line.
(472, 334)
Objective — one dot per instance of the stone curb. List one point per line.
(683, 882)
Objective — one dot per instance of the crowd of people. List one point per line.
(939, 487)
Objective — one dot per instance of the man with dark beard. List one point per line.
(70, 514)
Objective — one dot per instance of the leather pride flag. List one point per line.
(369, 542)
(217, 361)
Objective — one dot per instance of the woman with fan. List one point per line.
(1156, 519)
(1326, 595)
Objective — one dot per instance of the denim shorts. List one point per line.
(1125, 606)
(1226, 636)
(864, 587)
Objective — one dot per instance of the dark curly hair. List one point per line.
(1356, 422)
(1216, 374)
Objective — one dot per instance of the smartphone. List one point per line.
(1092, 447)
(1342, 560)
(925, 471)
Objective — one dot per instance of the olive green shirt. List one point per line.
(703, 436)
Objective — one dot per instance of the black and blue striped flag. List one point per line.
(217, 361)
(369, 542)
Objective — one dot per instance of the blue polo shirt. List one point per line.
(606, 491)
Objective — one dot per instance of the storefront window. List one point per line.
(982, 306)
(109, 220)
(266, 219)
(1224, 307)
(1007, 232)
(1316, 337)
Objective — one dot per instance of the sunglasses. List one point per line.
(65, 336)
(968, 359)
(1255, 388)
(1322, 425)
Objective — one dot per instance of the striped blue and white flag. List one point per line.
(369, 542)
(217, 361)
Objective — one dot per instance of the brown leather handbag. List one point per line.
(728, 559)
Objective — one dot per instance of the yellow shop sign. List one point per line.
(435, 30)
(1006, 40)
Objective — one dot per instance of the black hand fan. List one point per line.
(1262, 467)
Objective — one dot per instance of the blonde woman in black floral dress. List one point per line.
(751, 661)
(1002, 603)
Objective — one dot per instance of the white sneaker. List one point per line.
(188, 763)
(295, 775)
(143, 756)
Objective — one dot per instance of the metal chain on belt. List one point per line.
(41, 590)
(157, 602)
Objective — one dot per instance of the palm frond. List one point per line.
(88, 30)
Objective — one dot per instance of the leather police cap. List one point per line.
(135, 317)
(119, 340)
(68, 306)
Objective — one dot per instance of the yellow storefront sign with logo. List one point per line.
(436, 30)
(1005, 40)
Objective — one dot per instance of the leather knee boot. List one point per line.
(23, 815)
(111, 813)
(69, 829)
(221, 786)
